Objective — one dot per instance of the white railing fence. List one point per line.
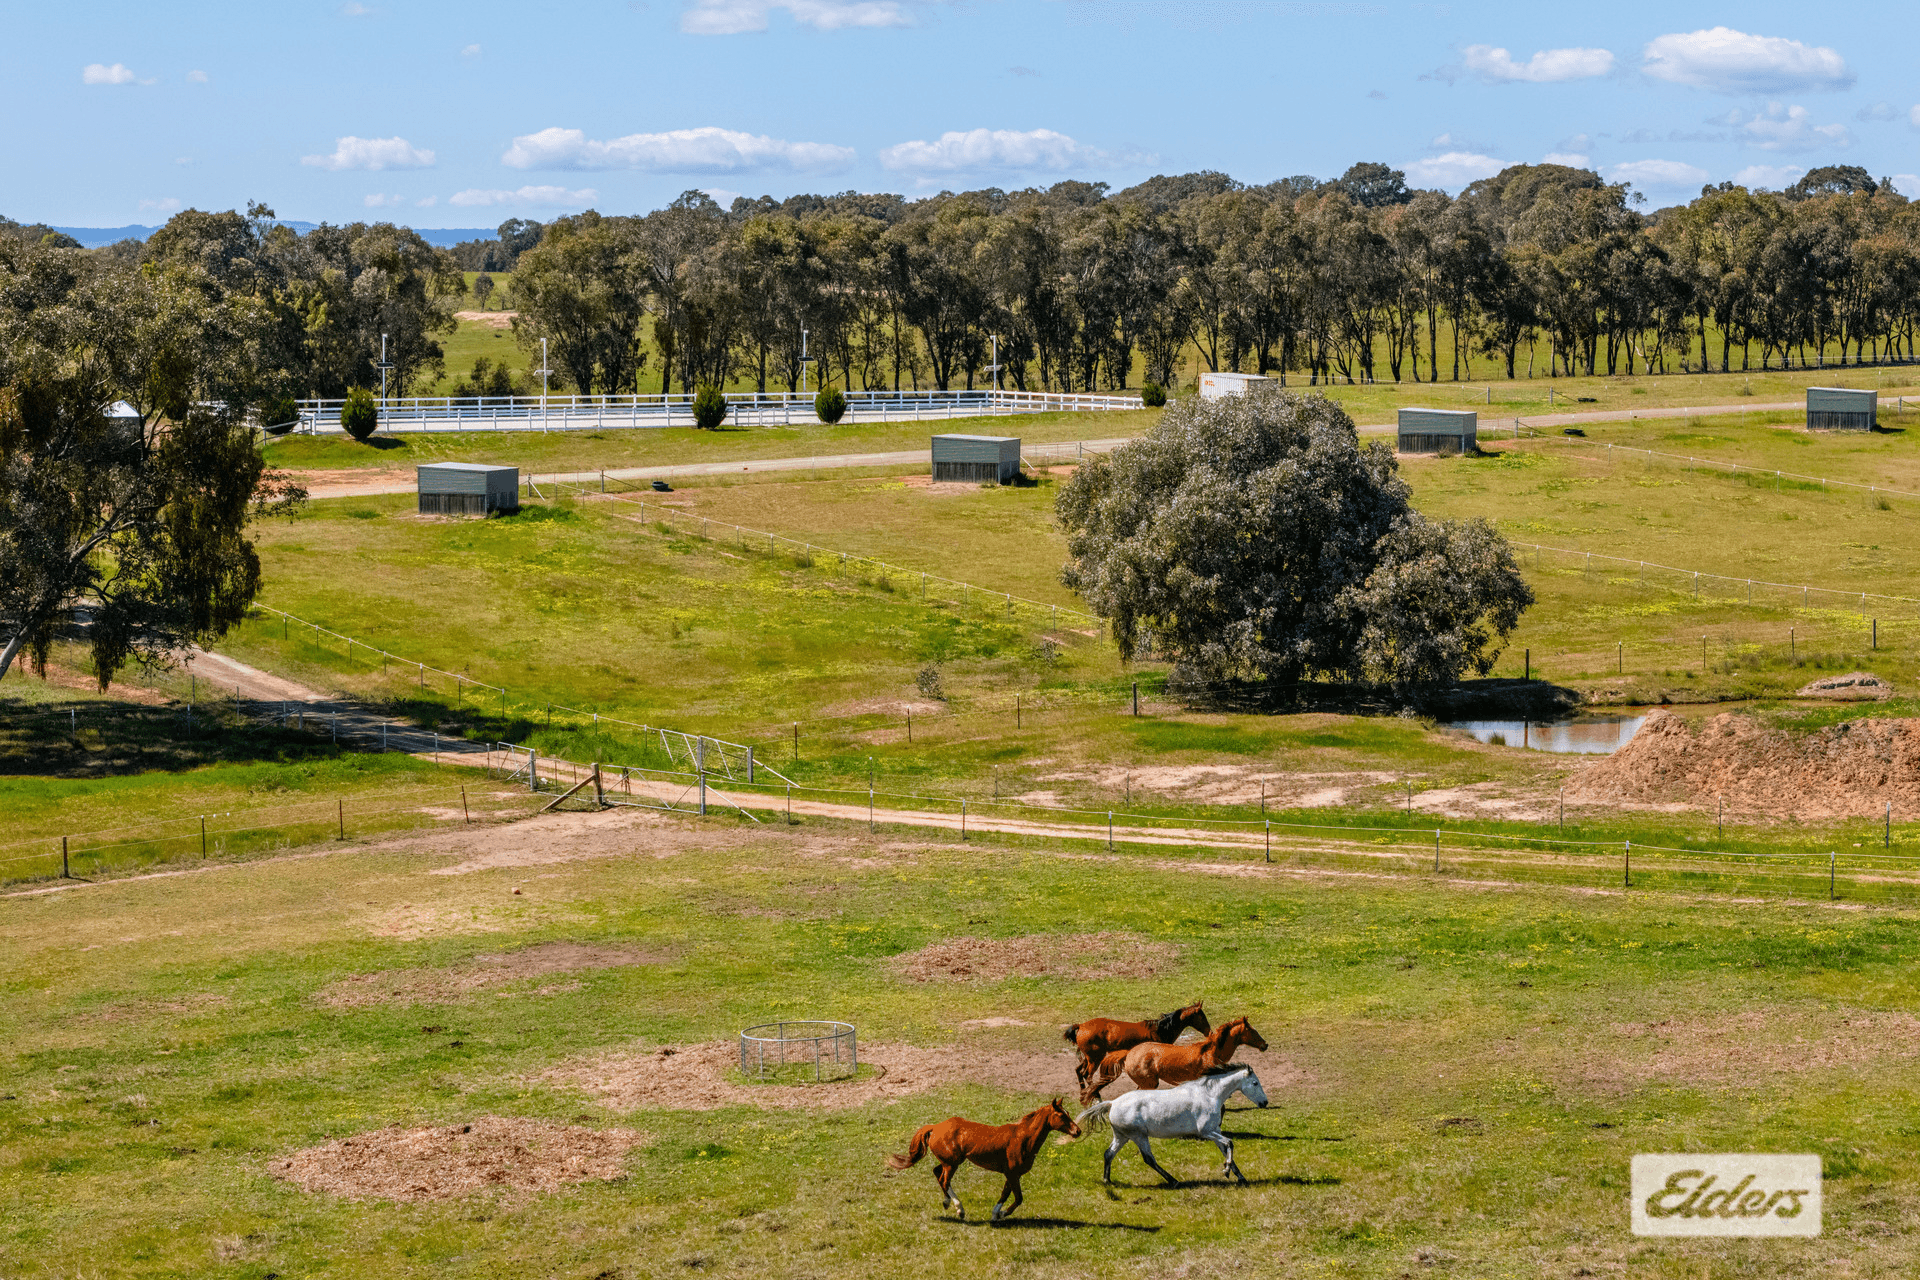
(746, 409)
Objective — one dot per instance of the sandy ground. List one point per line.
(492, 1153)
(1066, 956)
(456, 982)
(491, 319)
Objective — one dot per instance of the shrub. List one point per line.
(830, 406)
(709, 408)
(276, 410)
(359, 416)
(1153, 395)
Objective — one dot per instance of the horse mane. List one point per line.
(1166, 1027)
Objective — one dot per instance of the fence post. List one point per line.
(203, 835)
(1626, 867)
(796, 742)
(749, 764)
(1136, 697)
(1269, 839)
(703, 792)
(1831, 891)
(963, 819)
(1436, 851)
(869, 807)
(533, 769)
(1016, 711)
(1109, 830)
(343, 818)
(465, 813)
(65, 873)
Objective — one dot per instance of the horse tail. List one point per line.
(916, 1150)
(1072, 1035)
(1095, 1113)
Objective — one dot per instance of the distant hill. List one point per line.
(444, 237)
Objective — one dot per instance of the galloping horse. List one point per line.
(1150, 1065)
(1007, 1149)
(1094, 1039)
(1191, 1111)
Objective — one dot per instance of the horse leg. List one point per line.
(1146, 1153)
(944, 1175)
(1112, 1149)
(1225, 1144)
(1012, 1188)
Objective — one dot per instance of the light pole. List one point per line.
(384, 365)
(543, 371)
(994, 368)
(803, 360)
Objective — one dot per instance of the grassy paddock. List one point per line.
(1460, 1077)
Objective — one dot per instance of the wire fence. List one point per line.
(229, 833)
(1383, 845)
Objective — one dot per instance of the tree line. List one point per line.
(1545, 269)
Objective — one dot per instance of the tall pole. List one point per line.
(803, 360)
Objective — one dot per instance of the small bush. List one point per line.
(709, 408)
(930, 684)
(830, 406)
(1153, 395)
(277, 411)
(359, 416)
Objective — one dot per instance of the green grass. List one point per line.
(1458, 1076)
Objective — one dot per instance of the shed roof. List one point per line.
(461, 466)
(961, 436)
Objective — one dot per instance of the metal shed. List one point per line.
(1438, 430)
(467, 488)
(1218, 386)
(1840, 408)
(980, 459)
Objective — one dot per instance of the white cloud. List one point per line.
(1913, 117)
(1907, 184)
(1878, 111)
(536, 197)
(1453, 170)
(733, 17)
(352, 9)
(196, 77)
(1783, 128)
(704, 150)
(164, 204)
(373, 154)
(1730, 61)
(378, 201)
(1549, 66)
(98, 73)
(1572, 159)
(721, 196)
(471, 51)
(1657, 173)
(426, 202)
(1454, 142)
(976, 149)
(1771, 176)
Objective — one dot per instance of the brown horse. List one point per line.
(1007, 1149)
(1151, 1065)
(1094, 1039)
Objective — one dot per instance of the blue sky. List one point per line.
(455, 115)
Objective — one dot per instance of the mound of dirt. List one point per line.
(494, 1152)
(1844, 770)
(1855, 686)
(456, 982)
(703, 1077)
(1075, 956)
(491, 319)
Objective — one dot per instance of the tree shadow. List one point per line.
(1469, 699)
(1051, 1224)
(384, 443)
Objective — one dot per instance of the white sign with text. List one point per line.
(1739, 1194)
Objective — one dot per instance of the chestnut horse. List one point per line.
(1007, 1149)
(1094, 1039)
(1151, 1065)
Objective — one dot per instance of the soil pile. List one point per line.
(456, 982)
(1076, 956)
(494, 1152)
(705, 1077)
(1844, 770)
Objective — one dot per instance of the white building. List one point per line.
(1218, 386)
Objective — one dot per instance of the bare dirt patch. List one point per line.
(1076, 956)
(1844, 770)
(972, 1023)
(941, 489)
(1855, 686)
(491, 319)
(562, 837)
(457, 982)
(493, 1153)
(1228, 783)
(701, 1077)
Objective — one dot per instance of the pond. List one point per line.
(1587, 735)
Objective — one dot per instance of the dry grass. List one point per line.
(490, 1154)
(1072, 957)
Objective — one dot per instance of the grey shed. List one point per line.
(979, 459)
(467, 488)
(1841, 408)
(1439, 430)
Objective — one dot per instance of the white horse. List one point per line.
(1191, 1110)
